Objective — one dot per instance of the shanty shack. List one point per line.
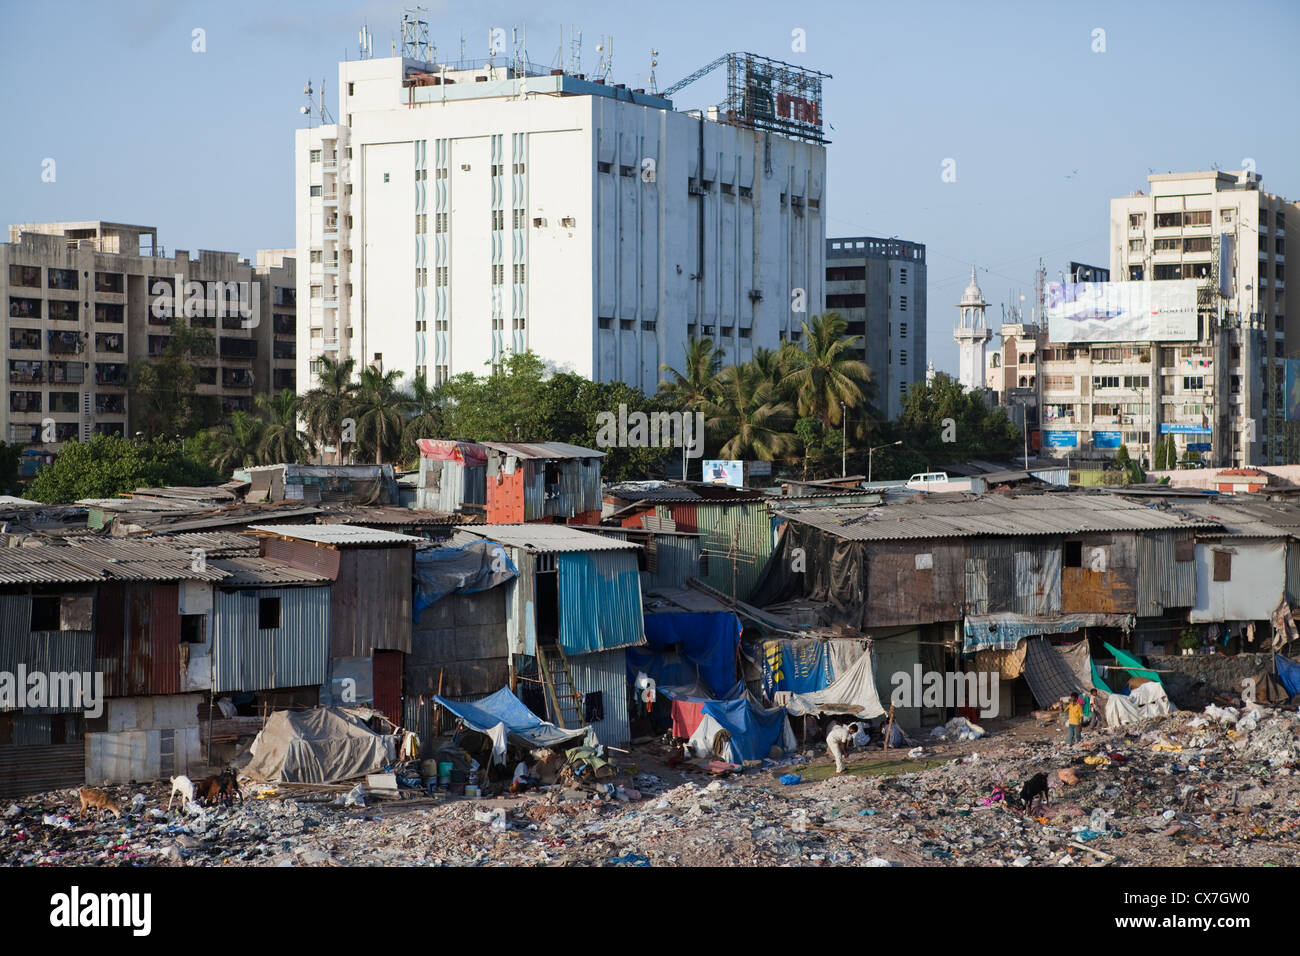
(453, 475)
(570, 614)
(551, 482)
(370, 602)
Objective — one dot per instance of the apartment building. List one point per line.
(878, 286)
(1219, 391)
(86, 300)
(456, 213)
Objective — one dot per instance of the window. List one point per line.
(1167, 245)
(1136, 219)
(1166, 220)
(902, 276)
(1135, 273)
(902, 303)
(421, 222)
(440, 275)
(440, 222)
(1105, 381)
(1060, 383)
(1072, 554)
(1192, 383)
(518, 168)
(519, 273)
(902, 330)
(1135, 245)
(65, 279)
(902, 356)
(315, 255)
(268, 614)
(25, 275)
(1225, 215)
(316, 190)
(385, 177)
(518, 218)
(498, 219)
(1137, 381)
(45, 613)
(1223, 565)
(498, 275)
(315, 155)
(1197, 217)
(1168, 271)
(845, 273)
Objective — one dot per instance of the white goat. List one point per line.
(185, 787)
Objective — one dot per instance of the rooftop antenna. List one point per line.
(654, 61)
(606, 50)
(307, 110)
(575, 51)
(415, 35)
(325, 118)
(367, 42)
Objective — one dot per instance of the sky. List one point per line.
(1045, 117)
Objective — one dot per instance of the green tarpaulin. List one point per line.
(1128, 660)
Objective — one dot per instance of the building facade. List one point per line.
(1219, 395)
(454, 215)
(879, 286)
(85, 300)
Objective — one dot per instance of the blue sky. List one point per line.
(1043, 130)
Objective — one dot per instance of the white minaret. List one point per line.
(972, 335)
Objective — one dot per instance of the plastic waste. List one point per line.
(790, 779)
(356, 797)
(1098, 820)
(50, 820)
(916, 752)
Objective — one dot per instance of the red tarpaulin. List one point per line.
(687, 715)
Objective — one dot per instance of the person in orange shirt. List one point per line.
(1073, 720)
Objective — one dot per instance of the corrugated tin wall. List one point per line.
(371, 602)
(26, 770)
(911, 583)
(605, 672)
(744, 529)
(154, 640)
(50, 652)
(457, 484)
(1293, 572)
(600, 601)
(1162, 580)
(1010, 575)
(296, 654)
(676, 558)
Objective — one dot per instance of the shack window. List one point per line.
(193, 627)
(552, 474)
(268, 613)
(45, 613)
(1184, 550)
(1073, 556)
(1223, 565)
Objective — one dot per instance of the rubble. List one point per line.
(1184, 789)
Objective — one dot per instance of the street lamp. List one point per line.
(872, 451)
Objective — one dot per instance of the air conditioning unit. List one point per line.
(1126, 420)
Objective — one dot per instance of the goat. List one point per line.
(208, 791)
(185, 787)
(230, 791)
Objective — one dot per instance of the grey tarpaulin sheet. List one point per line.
(322, 745)
(1048, 673)
(853, 692)
(1079, 659)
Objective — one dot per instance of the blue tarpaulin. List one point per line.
(707, 650)
(800, 667)
(600, 601)
(464, 570)
(1288, 672)
(503, 707)
(754, 730)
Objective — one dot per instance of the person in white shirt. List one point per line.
(838, 739)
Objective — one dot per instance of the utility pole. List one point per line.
(844, 448)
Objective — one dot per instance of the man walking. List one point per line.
(1073, 720)
(838, 740)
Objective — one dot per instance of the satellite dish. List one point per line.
(303, 110)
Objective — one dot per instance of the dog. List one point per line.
(98, 800)
(1035, 787)
(229, 780)
(185, 787)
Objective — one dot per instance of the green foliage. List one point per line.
(1159, 463)
(162, 388)
(11, 457)
(978, 430)
(109, 465)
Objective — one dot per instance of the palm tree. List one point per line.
(379, 409)
(752, 413)
(237, 443)
(694, 389)
(824, 373)
(282, 440)
(426, 419)
(326, 406)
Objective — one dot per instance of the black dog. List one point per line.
(1035, 787)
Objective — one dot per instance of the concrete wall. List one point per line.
(145, 738)
(1196, 679)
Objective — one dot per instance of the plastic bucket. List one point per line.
(444, 773)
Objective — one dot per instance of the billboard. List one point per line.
(1122, 311)
(772, 95)
(1105, 440)
(1167, 429)
(724, 473)
(1060, 439)
(1291, 396)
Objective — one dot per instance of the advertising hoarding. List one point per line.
(724, 473)
(1122, 311)
(1055, 439)
(1105, 439)
(1167, 429)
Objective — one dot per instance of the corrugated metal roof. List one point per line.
(342, 534)
(50, 564)
(247, 571)
(393, 515)
(216, 544)
(142, 560)
(545, 449)
(547, 538)
(1246, 519)
(999, 515)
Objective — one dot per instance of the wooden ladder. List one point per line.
(564, 702)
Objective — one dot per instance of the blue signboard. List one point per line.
(1105, 439)
(1166, 429)
(1198, 446)
(1060, 439)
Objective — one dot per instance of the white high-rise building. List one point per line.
(972, 335)
(453, 215)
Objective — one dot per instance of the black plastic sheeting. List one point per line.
(833, 574)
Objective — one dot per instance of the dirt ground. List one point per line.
(1186, 790)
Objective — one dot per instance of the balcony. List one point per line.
(69, 373)
(26, 373)
(65, 343)
(110, 373)
(112, 404)
(236, 378)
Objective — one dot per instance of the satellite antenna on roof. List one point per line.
(367, 42)
(575, 51)
(307, 110)
(654, 61)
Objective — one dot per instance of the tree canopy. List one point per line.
(109, 465)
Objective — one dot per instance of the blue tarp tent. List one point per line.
(525, 727)
(708, 642)
(465, 570)
(754, 729)
(1288, 672)
(799, 666)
